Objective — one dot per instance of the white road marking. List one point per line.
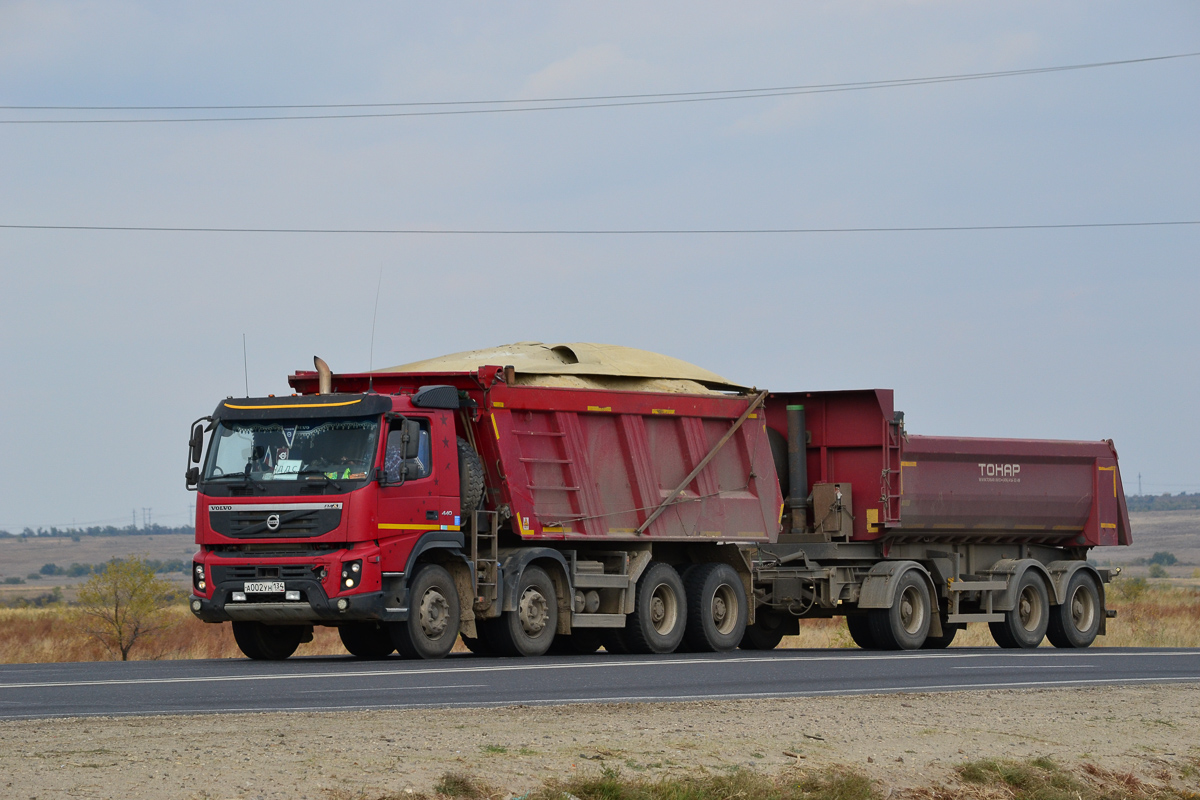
(1024, 656)
(374, 689)
(1035, 666)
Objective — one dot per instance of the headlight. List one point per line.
(350, 571)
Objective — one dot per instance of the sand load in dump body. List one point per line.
(1011, 490)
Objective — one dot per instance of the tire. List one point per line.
(1076, 622)
(367, 640)
(766, 633)
(941, 642)
(905, 625)
(470, 480)
(717, 608)
(528, 630)
(860, 631)
(659, 616)
(433, 611)
(1025, 626)
(264, 642)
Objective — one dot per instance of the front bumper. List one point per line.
(317, 608)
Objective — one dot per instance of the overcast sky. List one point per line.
(113, 342)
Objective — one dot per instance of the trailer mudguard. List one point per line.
(1061, 573)
(1012, 570)
(878, 589)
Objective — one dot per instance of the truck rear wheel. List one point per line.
(432, 625)
(264, 642)
(659, 616)
(905, 625)
(716, 600)
(941, 642)
(1076, 622)
(1025, 625)
(366, 640)
(766, 633)
(859, 626)
(528, 630)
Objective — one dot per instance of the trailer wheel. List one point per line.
(659, 616)
(1076, 622)
(941, 642)
(366, 640)
(766, 633)
(432, 625)
(470, 479)
(905, 625)
(859, 626)
(716, 601)
(264, 642)
(528, 630)
(1025, 625)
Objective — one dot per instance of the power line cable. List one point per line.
(433, 108)
(600, 231)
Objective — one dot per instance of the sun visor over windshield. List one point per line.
(304, 407)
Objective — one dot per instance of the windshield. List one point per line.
(288, 450)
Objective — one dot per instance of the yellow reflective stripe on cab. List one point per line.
(395, 526)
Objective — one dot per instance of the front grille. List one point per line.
(291, 524)
(251, 572)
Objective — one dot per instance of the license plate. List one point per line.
(259, 587)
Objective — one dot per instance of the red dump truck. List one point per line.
(408, 508)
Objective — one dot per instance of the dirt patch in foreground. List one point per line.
(902, 741)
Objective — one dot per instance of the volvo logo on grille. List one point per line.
(273, 522)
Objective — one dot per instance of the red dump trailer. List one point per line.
(409, 508)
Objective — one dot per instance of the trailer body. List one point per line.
(520, 516)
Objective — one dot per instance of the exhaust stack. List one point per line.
(797, 499)
(324, 376)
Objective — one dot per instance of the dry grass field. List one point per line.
(1149, 614)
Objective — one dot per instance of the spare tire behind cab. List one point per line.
(470, 479)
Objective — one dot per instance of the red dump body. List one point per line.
(595, 464)
(1052, 492)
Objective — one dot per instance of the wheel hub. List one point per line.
(434, 616)
(533, 612)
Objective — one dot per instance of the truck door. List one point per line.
(411, 499)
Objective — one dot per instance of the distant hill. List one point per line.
(1163, 502)
(107, 530)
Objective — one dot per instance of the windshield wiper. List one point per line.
(323, 475)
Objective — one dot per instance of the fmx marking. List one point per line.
(1002, 473)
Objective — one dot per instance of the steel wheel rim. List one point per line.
(912, 610)
(434, 614)
(533, 611)
(1083, 609)
(664, 609)
(1029, 608)
(725, 609)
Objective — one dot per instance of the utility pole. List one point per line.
(134, 523)
(1139, 484)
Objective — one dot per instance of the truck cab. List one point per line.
(310, 510)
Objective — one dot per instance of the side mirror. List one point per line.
(412, 438)
(197, 443)
(193, 476)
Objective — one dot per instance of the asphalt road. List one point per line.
(335, 683)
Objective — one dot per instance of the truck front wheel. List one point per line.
(659, 617)
(432, 625)
(716, 601)
(1076, 622)
(905, 625)
(264, 642)
(1025, 625)
(366, 640)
